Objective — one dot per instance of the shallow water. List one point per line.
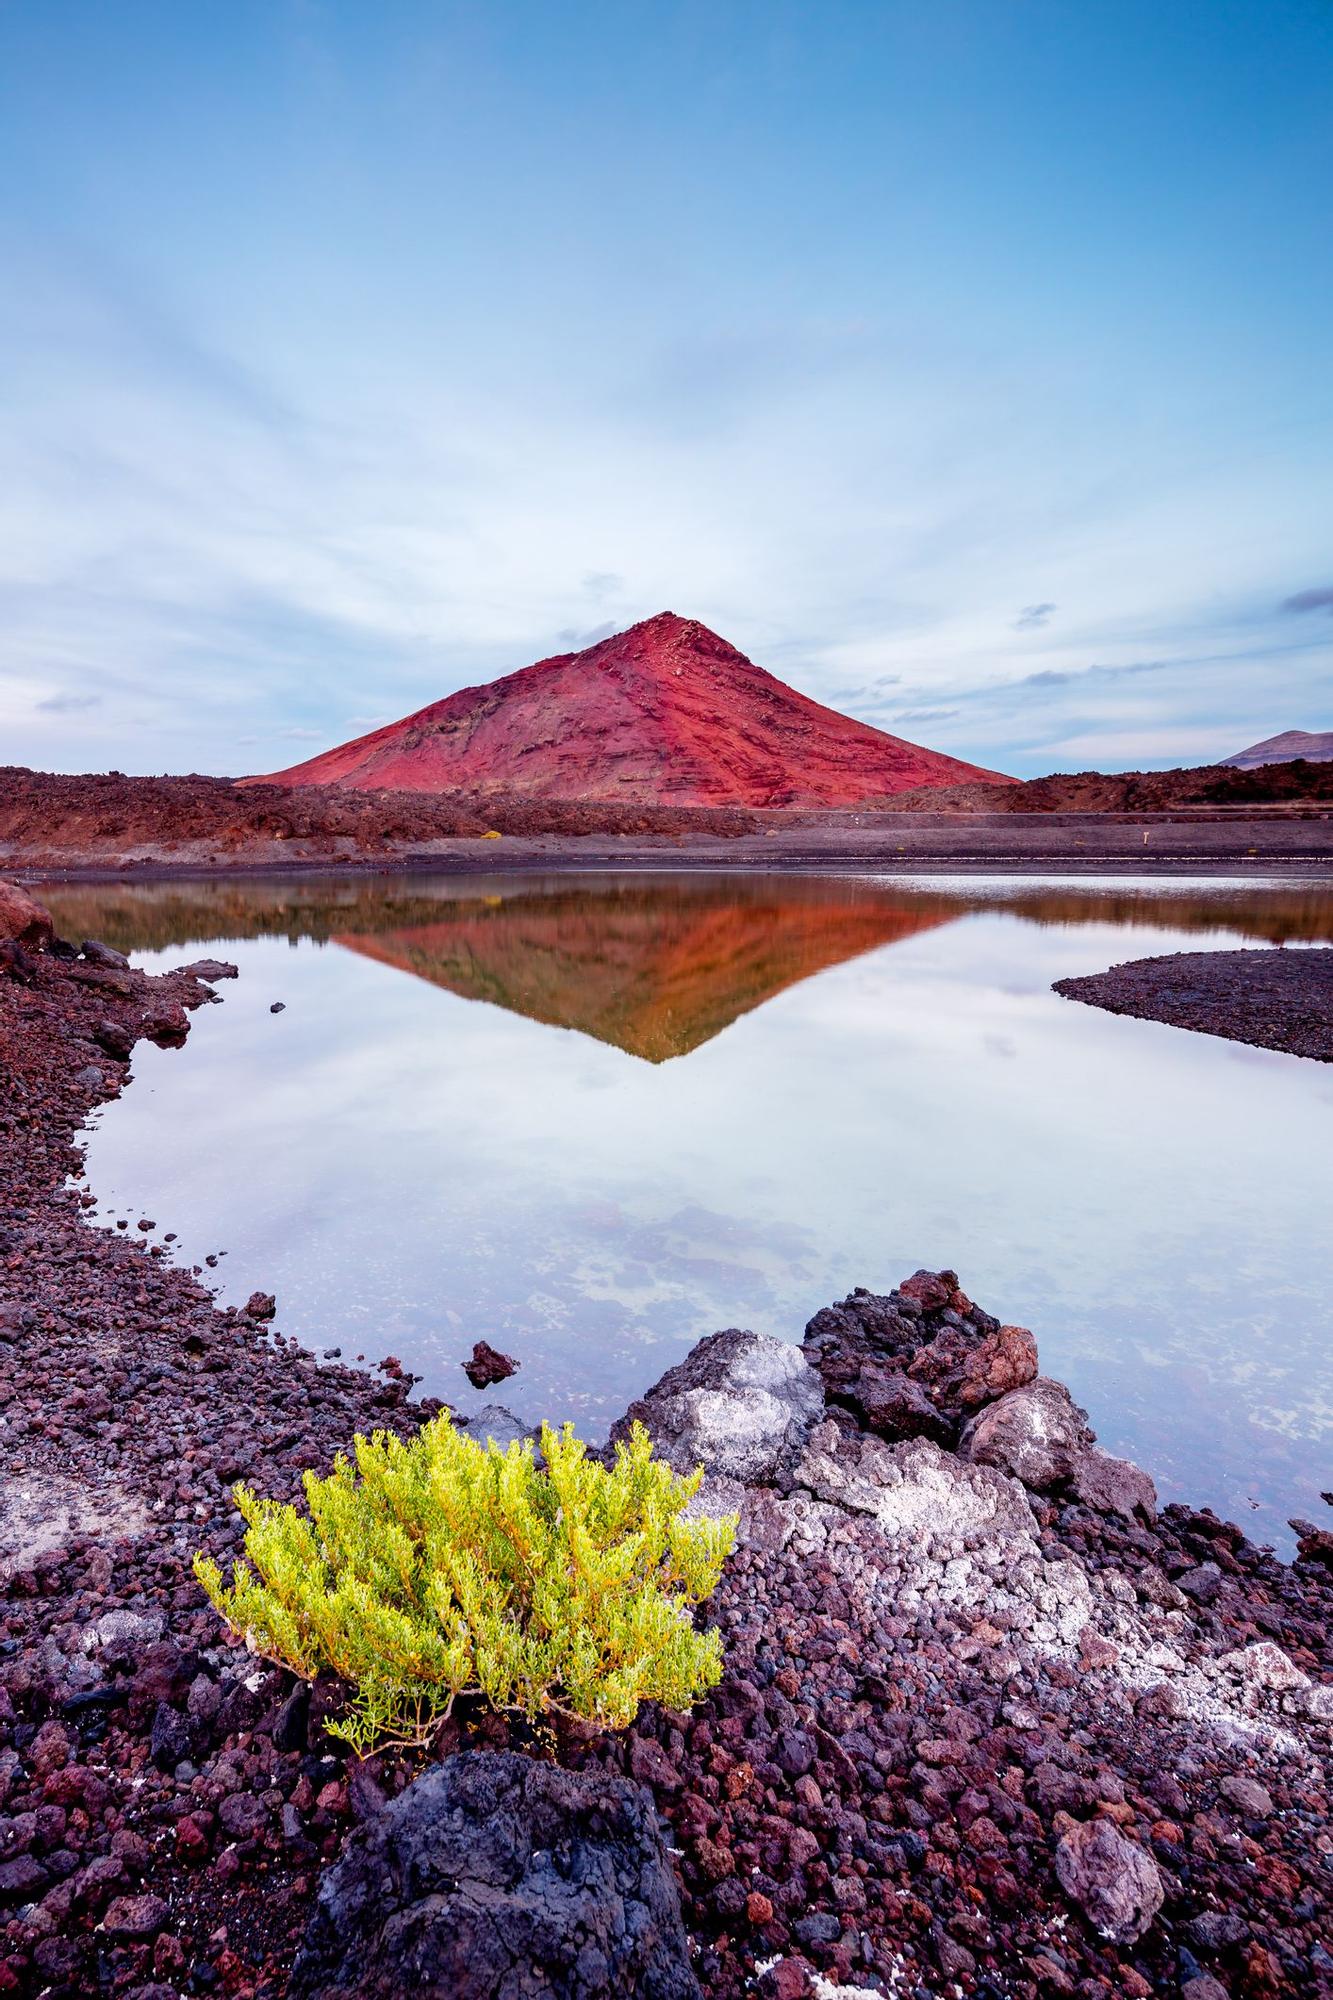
(592, 1118)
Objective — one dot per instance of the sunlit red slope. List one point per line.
(655, 971)
(663, 713)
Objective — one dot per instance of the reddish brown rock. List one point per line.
(1037, 1433)
(1114, 1486)
(135, 1917)
(960, 1370)
(23, 920)
(487, 1365)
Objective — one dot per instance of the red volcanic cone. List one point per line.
(663, 714)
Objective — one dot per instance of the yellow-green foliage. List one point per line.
(441, 1566)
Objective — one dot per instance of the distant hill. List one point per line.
(1299, 782)
(666, 713)
(1316, 749)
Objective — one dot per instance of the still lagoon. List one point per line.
(590, 1118)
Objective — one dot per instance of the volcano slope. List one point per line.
(666, 713)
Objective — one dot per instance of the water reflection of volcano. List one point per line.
(656, 972)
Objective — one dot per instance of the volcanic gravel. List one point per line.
(1270, 999)
(107, 819)
(876, 1792)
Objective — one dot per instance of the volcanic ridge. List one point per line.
(664, 713)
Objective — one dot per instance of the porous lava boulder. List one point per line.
(740, 1404)
(493, 1877)
(917, 1361)
(1114, 1881)
(486, 1365)
(23, 920)
(1037, 1433)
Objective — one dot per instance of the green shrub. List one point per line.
(442, 1566)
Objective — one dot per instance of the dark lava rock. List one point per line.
(170, 1740)
(260, 1305)
(1271, 999)
(15, 962)
(488, 1365)
(495, 1876)
(103, 955)
(918, 1361)
(291, 1725)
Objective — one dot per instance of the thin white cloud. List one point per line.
(245, 559)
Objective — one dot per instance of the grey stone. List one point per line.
(1215, 1930)
(494, 1421)
(1247, 1795)
(1115, 1882)
(243, 1816)
(740, 1404)
(493, 1877)
(1203, 1584)
(122, 1634)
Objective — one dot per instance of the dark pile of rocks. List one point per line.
(1270, 999)
(501, 1878)
(989, 1724)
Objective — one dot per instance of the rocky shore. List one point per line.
(990, 1724)
(108, 824)
(1270, 999)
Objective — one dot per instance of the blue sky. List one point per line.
(969, 365)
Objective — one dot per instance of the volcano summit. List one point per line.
(666, 713)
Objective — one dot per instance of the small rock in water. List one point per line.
(212, 968)
(278, 1007)
(260, 1305)
(488, 1365)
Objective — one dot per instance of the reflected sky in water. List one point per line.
(590, 1119)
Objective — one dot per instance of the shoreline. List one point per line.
(879, 1789)
(1260, 998)
(1277, 840)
